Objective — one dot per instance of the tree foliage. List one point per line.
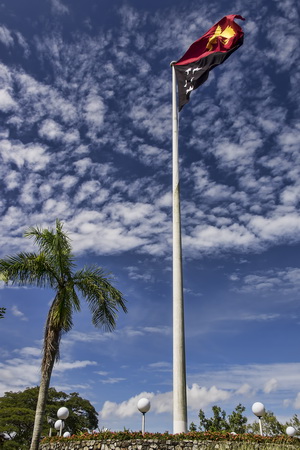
(270, 425)
(217, 422)
(294, 422)
(2, 312)
(236, 421)
(192, 427)
(17, 410)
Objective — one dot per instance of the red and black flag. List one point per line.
(212, 49)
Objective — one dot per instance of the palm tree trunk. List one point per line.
(51, 347)
(39, 412)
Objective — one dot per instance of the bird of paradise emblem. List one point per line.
(225, 35)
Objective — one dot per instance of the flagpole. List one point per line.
(179, 365)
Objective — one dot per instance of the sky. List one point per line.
(85, 137)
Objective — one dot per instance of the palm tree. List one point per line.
(53, 267)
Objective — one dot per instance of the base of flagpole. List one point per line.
(179, 427)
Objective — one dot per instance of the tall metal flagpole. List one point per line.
(179, 365)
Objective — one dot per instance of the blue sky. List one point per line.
(85, 136)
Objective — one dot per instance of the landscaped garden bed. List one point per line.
(165, 441)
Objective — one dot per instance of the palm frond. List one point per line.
(28, 268)
(59, 321)
(103, 299)
(55, 244)
(61, 312)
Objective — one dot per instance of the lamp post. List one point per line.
(62, 414)
(143, 406)
(259, 410)
(51, 423)
(290, 431)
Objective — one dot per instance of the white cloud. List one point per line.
(112, 380)
(153, 156)
(123, 409)
(198, 397)
(68, 181)
(17, 374)
(256, 377)
(284, 280)
(271, 385)
(22, 42)
(161, 366)
(62, 366)
(30, 351)
(94, 111)
(34, 156)
(120, 334)
(24, 371)
(59, 7)
(297, 401)
(50, 130)
(5, 36)
(17, 313)
(136, 273)
(6, 101)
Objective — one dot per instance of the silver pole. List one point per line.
(143, 424)
(179, 365)
(260, 426)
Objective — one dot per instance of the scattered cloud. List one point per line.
(119, 334)
(6, 101)
(17, 313)
(248, 211)
(17, 373)
(6, 36)
(271, 385)
(285, 281)
(112, 380)
(58, 7)
(62, 366)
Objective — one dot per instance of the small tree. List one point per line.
(270, 425)
(193, 427)
(237, 421)
(216, 423)
(17, 414)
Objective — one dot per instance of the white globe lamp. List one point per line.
(63, 413)
(58, 425)
(143, 406)
(290, 431)
(258, 409)
(66, 434)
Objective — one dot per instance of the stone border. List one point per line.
(155, 444)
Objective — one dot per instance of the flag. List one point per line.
(212, 49)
